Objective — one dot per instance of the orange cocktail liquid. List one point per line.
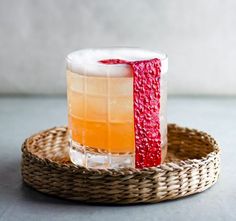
(101, 112)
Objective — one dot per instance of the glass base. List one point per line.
(91, 158)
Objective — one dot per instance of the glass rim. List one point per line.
(162, 56)
(83, 61)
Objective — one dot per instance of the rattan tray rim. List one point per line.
(170, 166)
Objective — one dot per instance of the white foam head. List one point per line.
(86, 61)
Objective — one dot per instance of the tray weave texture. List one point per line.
(191, 166)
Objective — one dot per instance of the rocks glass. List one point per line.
(117, 107)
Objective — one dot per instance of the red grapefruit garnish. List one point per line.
(146, 96)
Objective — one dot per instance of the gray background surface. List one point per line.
(35, 36)
(198, 36)
(21, 117)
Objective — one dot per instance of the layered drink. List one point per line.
(102, 111)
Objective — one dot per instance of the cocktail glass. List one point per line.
(101, 110)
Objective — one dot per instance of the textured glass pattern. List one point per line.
(101, 116)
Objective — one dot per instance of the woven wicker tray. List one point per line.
(191, 166)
